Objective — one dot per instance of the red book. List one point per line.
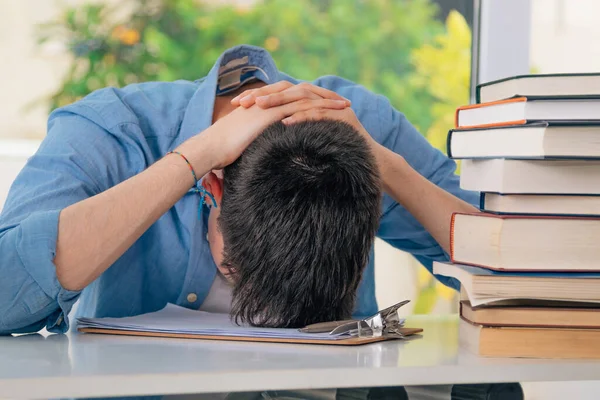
(521, 110)
(526, 243)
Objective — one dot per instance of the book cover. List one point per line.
(514, 217)
(527, 124)
(529, 76)
(523, 99)
(482, 207)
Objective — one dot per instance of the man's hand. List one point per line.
(229, 136)
(282, 93)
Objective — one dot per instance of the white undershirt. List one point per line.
(219, 296)
(218, 300)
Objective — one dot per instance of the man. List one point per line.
(104, 213)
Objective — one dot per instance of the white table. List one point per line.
(82, 365)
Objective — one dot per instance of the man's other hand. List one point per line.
(281, 93)
(226, 139)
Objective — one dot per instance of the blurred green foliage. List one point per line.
(366, 41)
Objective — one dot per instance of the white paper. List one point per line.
(176, 319)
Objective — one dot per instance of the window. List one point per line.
(564, 36)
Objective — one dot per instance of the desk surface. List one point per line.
(78, 365)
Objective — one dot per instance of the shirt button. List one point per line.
(192, 297)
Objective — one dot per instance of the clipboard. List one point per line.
(382, 326)
(355, 341)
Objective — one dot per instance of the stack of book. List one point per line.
(529, 263)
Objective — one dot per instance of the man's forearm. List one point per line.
(95, 232)
(431, 205)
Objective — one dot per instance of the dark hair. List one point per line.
(299, 213)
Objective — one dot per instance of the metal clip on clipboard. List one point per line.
(385, 322)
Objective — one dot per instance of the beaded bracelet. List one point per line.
(188, 163)
(201, 190)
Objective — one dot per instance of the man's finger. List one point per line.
(324, 93)
(247, 99)
(236, 100)
(314, 114)
(287, 96)
(297, 92)
(305, 105)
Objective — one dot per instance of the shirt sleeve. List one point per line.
(76, 160)
(398, 227)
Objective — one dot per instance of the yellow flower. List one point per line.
(272, 43)
(130, 37)
(118, 32)
(125, 35)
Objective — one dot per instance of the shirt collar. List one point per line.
(231, 70)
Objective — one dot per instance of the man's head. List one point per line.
(296, 220)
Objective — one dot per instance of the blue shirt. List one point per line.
(114, 134)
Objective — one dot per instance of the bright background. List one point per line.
(416, 52)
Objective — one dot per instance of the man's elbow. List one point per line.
(14, 327)
(26, 309)
(24, 306)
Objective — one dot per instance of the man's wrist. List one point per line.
(392, 166)
(199, 153)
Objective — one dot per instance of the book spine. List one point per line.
(558, 216)
(452, 221)
(482, 201)
(449, 143)
(526, 216)
(456, 117)
(492, 125)
(570, 272)
(530, 157)
(491, 103)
